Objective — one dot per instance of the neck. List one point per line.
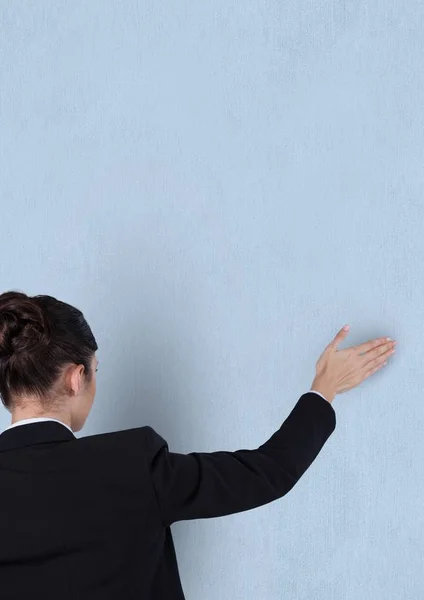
(61, 418)
(33, 411)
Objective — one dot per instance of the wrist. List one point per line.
(324, 388)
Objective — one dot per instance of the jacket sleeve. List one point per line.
(203, 485)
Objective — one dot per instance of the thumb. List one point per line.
(339, 337)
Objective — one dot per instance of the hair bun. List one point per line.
(23, 326)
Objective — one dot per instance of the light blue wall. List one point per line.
(221, 188)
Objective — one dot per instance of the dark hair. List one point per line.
(39, 336)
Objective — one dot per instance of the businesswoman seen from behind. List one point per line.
(89, 518)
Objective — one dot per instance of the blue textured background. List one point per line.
(221, 188)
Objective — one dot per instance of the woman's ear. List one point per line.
(76, 379)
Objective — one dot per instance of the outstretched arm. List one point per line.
(203, 485)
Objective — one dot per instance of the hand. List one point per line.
(338, 371)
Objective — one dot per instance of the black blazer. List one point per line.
(89, 518)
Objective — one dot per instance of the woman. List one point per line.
(89, 518)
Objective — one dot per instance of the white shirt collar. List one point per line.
(36, 420)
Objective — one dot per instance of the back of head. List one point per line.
(39, 337)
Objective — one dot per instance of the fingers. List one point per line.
(377, 355)
(374, 369)
(374, 365)
(367, 346)
(339, 338)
